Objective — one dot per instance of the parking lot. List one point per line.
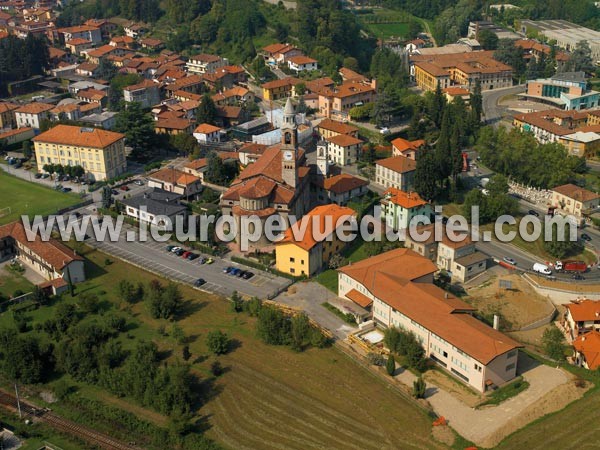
(154, 257)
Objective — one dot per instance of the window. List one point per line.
(292, 270)
(510, 367)
(292, 260)
(511, 354)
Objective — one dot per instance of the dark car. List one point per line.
(533, 212)
(240, 274)
(18, 165)
(180, 252)
(45, 175)
(248, 275)
(114, 192)
(202, 260)
(192, 256)
(66, 189)
(124, 187)
(199, 282)
(170, 248)
(235, 271)
(66, 178)
(227, 269)
(586, 237)
(37, 176)
(578, 276)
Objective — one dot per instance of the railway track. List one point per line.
(63, 425)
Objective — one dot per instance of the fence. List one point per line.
(291, 311)
(15, 301)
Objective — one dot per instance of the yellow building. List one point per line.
(305, 249)
(101, 153)
(278, 89)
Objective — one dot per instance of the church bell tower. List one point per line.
(289, 145)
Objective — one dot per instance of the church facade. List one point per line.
(278, 183)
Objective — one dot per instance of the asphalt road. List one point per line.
(492, 112)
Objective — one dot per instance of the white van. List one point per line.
(542, 268)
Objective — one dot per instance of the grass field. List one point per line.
(388, 30)
(24, 197)
(11, 282)
(269, 397)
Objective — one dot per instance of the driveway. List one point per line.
(153, 257)
(485, 424)
(308, 296)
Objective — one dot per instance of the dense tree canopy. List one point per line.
(21, 59)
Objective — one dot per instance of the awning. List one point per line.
(359, 298)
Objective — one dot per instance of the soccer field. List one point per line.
(24, 197)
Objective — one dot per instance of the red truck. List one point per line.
(571, 266)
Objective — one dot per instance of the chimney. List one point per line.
(496, 322)
(446, 295)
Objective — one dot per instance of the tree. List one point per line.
(273, 327)
(301, 107)
(419, 388)
(40, 295)
(106, 196)
(237, 304)
(488, 39)
(427, 175)
(89, 303)
(581, 58)
(300, 331)
(207, 111)
(217, 342)
(216, 171)
(561, 246)
(164, 302)
(390, 365)
(185, 353)
(476, 103)
(138, 128)
(106, 70)
(554, 343)
(512, 55)
(27, 152)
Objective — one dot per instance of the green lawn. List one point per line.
(11, 282)
(388, 30)
(505, 392)
(24, 197)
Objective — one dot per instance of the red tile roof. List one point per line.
(206, 128)
(404, 199)
(576, 193)
(80, 137)
(344, 140)
(319, 222)
(53, 252)
(589, 345)
(400, 164)
(337, 127)
(584, 310)
(338, 184)
(34, 108)
(359, 298)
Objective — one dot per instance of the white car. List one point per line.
(385, 130)
(542, 268)
(176, 249)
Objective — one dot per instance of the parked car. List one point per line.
(202, 260)
(248, 275)
(240, 274)
(37, 176)
(45, 175)
(139, 182)
(199, 282)
(533, 212)
(578, 276)
(114, 192)
(18, 164)
(175, 248)
(385, 131)
(124, 187)
(586, 237)
(185, 254)
(66, 189)
(170, 248)
(192, 256)
(210, 261)
(179, 252)
(227, 269)
(234, 271)
(510, 261)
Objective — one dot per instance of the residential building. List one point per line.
(460, 69)
(92, 95)
(152, 44)
(453, 92)
(280, 53)
(236, 96)
(307, 245)
(198, 167)
(135, 30)
(329, 128)
(537, 50)
(100, 152)
(96, 54)
(397, 172)
(250, 152)
(581, 316)
(173, 126)
(587, 350)
(32, 114)
(570, 199)
(399, 207)
(146, 93)
(225, 77)
(7, 115)
(74, 88)
(152, 207)
(89, 33)
(340, 189)
(51, 259)
(123, 42)
(344, 149)
(276, 184)
(572, 129)
(336, 102)
(460, 258)
(206, 133)
(14, 136)
(106, 119)
(476, 26)
(399, 287)
(204, 63)
(173, 180)
(301, 63)
(69, 111)
(78, 45)
(278, 89)
(406, 148)
(566, 90)
(566, 35)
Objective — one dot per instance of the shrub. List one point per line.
(419, 388)
(218, 342)
(216, 369)
(390, 365)
(375, 359)
(553, 342)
